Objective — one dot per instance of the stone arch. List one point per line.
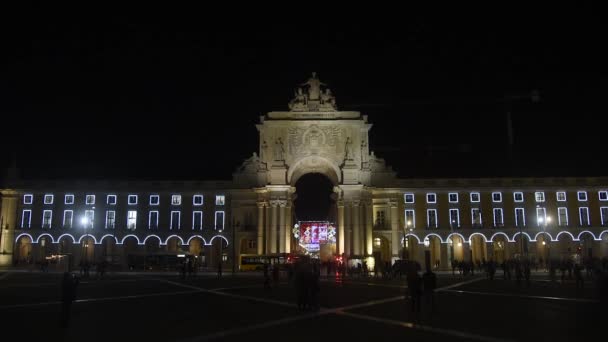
(457, 234)
(23, 248)
(314, 164)
(66, 235)
(88, 237)
(586, 232)
(218, 236)
(564, 232)
(122, 242)
(485, 239)
(539, 234)
(495, 235)
(43, 235)
(107, 236)
(414, 235)
(428, 236)
(601, 236)
(160, 241)
(383, 250)
(522, 234)
(196, 245)
(174, 243)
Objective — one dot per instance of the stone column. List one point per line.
(273, 227)
(369, 225)
(8, 222)
(288, 227)
(268, 229)
(394, 228)
(347, 228)
(356, 229)
(260, 227)
(490, 251)
(340, 247)
(443, 251)
(282, 207)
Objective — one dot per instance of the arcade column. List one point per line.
(273, 227)
(288, 226)
(340, 227)
(282, 206)
(260, 228)
(356, 228)
(369, 224)
(394, 229)
(8, 220)
(347, 228)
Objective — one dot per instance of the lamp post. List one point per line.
(85, 245)
(407, 227)
(544, 222)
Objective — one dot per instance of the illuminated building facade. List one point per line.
(377, 216)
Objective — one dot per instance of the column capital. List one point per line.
(274, 203)
(394, 203)
(261, 204)
(282, 203)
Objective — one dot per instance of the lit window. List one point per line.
(26, 219)
(132, 199)
(175, 220)
(409, 198)
(453, 197)
(541, 216)
(540, 196)
(584, 216)
(28, 199)
(431, 218)
(47, 216)
(498, 217)
(48, 199)
(197, 220)
(154, 199)
(89, 218)
(219, 220)
(153, 220)
(176, 200)
(475, 198)
(603, 195)
(377, 242)
(220, 200)
(518, 196)
(68, 217)
(380, 219)
(410, 219)
(520, 218)
(131, 219)
(476, 217)
(110, 219)
(454, 218)
(69, 199)
(561, 196)
(111, 199)
(90, 199)
(197, 200)
(582, 196)
(562, 216)
(431, 198)
(496, 197)
(604, 215)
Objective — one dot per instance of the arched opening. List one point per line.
(23, 250)
(314, 201)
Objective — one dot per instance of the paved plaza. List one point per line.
(165, 307)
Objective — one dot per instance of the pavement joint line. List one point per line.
(449, 287)
(103, 299)
(425, 328)
(490, 294)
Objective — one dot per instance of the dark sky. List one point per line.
(178, 99)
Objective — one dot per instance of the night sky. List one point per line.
(178, 99)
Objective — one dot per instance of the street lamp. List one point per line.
(408, 226)
(85, 245)
(544, 222)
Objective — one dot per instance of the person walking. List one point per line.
(68, 295)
